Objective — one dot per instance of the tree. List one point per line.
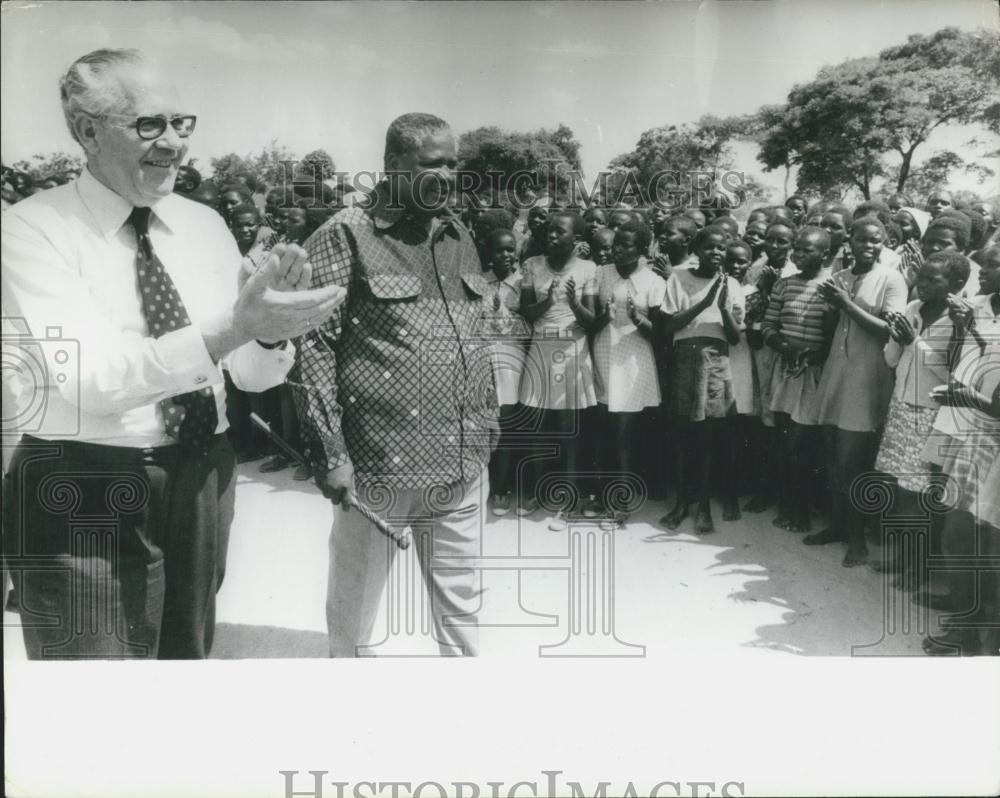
(839, 127)
(668, 161)
(49, 164)
(270, 166)
(316, 162)
(936, 170)
(548, 157)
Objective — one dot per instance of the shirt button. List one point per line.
(387, 374)
(200, 379)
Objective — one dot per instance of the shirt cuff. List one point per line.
(187, 360)
(254, 368)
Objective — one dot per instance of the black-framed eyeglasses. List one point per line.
(152, 127)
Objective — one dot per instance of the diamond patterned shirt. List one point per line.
(399, 380)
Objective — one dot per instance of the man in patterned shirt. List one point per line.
(395, 392)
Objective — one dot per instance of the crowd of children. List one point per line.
(800, 358)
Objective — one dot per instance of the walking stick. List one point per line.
(401, 539)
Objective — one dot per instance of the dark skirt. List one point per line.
(702, 382)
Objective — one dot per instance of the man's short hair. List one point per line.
(407, 132)
(91, 86)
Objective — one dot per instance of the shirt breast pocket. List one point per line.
(395, 287)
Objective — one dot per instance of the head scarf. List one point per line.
(920, 218)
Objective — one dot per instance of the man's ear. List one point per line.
(85, 128)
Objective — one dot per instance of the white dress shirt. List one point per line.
(90, 371)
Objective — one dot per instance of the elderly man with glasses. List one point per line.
(120, 493)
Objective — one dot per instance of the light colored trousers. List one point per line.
(446, 524)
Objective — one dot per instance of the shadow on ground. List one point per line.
(246, 641)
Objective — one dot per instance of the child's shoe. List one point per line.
(558, 522)
(500, 505)
(592, 508)
(527, 508)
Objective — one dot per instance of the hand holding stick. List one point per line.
(401, 539)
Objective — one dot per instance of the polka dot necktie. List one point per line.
(192, 417)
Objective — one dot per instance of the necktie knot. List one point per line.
(139, 219)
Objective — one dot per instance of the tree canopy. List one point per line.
(49, 164)
(550, 156)
(270, 165)
(697, 153)
(840, 127)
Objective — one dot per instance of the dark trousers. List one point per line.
(118, 552)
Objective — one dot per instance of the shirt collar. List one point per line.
(111, 210)
(510, 279)
(387, 215)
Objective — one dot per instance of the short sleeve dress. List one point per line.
(510, 334)
(856, 385)
(558, 371)
(624, 360)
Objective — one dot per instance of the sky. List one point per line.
(333, 75)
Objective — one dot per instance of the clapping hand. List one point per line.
(833, 294)
(288, 265)
(768, 277)
(713, 291)
(900, 328)
(274, 303)
(571, 293)
(496, 301)
(550, 296)
(957, 394)
(632, 310)
(960, 311)
(723, 290)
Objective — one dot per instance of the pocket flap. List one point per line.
(475, 283)
(395, 286)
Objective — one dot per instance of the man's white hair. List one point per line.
(92, 84)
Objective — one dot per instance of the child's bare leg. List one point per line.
(764, 495)
(724, 450)
(785, 479)
(682, 441)
(703, 523)
(803, 442)
(702, 437)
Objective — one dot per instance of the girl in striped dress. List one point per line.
(794, 328)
